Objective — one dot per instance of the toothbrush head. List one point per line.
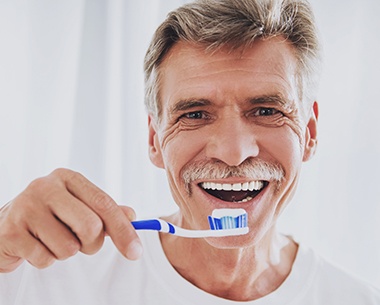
(229, 219)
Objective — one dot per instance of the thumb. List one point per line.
(129, 212)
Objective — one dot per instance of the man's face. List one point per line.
(232, 119)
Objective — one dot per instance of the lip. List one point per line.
(228, 181)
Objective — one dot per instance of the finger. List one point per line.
(16, 243)
(54, 235)
(116, 223)
(36, 253)
(83, 222)
(129, 212)
(25, 247)
(9, 264)
(40, 209)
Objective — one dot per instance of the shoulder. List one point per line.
(332, 284)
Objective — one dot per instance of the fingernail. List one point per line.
(135, 250)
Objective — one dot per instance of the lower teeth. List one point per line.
(246, 199)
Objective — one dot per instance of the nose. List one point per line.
(233, 141)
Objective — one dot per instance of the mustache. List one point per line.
(252, 169)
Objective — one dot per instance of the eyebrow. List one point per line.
(271, 99)
(184, 105)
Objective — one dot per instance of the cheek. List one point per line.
(283, 145)
(168, 136)
(298, 127)
(180, 147)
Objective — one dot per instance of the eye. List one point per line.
(266, 112)
(195, 115)
(195, 119)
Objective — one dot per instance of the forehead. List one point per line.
(265, 67)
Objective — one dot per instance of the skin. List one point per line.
(225, 108)
(59, 215)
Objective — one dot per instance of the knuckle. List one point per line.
(11, 265)
(9, 259)
(8, 233)
(11, 226)
(92, 248)
(22, 210)
(40, 190)
(92, 227)
(61, 172)
(70, 248)
(38, 185)
(102, 202)
(40, 258)
(42, 263)
(63, 175)
(67, 175)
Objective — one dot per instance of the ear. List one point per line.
(155, 153)
(311, 140)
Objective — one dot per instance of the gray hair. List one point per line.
(236, 23)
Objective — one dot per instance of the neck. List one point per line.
(240, 274)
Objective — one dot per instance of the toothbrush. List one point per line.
(223, 222)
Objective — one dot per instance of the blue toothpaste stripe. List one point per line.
(227, 222)
(211, 223)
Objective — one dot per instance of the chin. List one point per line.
(231, 242)
(256, 236)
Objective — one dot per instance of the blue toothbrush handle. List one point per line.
(154, 224)
(150, 224)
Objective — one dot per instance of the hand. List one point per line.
(58, 215)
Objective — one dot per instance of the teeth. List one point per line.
(245, 186)
(247, 199)
(253, 185)
(227, 187)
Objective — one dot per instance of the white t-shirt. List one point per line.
(109, 279)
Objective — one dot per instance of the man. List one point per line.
(230, 93)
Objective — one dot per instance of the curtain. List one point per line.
(71, 96)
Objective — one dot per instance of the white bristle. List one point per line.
(224, 219)
(219, 213)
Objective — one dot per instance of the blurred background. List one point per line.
(71, 95)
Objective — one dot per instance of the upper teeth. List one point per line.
(246, 186)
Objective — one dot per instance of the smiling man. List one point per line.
(233, 132)
(230, 93)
